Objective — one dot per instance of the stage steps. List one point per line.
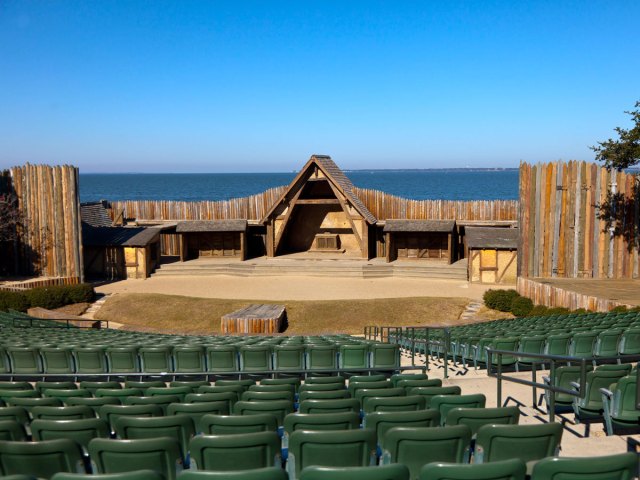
(348, 268)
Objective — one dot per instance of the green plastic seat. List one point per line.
(268, 473)
(288, 358)
(178, 427)
(41, 459)
(25, 360)
(382, 472)
(162, 401)
(20, 385)
(398, 377)
(606, 344)
(295, 381)
(133, 475)
(318, 421)
(444, 403)
(355, 386)
(120, 393)
(62, 385)
(233, 424)
(581, 345)
(161, 455)
(12, 430)
(330, 406)
(90, 360)
(321, 387)
(277, 408)
(311, 380)
(557, 344)
(321, 358)
(189, 359)
(74, 412)
(196, 411)
(351, 448)
(57, 360)
(81, 431)
(408, 384)
(530, 344)
(180, 392)
(143, 384)
(629, 342)
(621, 415)
(590, 409)
(62, 394)
(93, 403)
(382, 422)
(385, 356)
(323, 394)
(93, 386)
(156, 359)
(7, 395)
(622, 466)
(236, 452)
(256, 358)
(429, 392)
(416, 447)
(122, 359)
(29, 403)
(563, 378)
(18, 414)
(192, 384)
(393, 404)
(245, 383)
(364, 393)
(111, 413)
(261, 396)
(529, 443)
(222, 358)
(229, 397)
(475, 418)
(371, 377)
(514, 469)
(354, 357)
(283, 387)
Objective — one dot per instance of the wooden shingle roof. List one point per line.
(212, 226)
(441, 226)
(493, 238)
(95, 214)
(118, 236)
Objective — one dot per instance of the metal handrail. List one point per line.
(552, 360)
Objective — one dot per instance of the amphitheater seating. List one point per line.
(622, 466)
(384, 472)
(514, 469)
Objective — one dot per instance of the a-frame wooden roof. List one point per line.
(335, 175)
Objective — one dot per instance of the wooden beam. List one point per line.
(318, 201)
(287, 217)
(339, 195)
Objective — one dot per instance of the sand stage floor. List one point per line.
(298, 287)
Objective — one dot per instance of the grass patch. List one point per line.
(201, 316)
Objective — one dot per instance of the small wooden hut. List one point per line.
(493, 254)
(213, 238)
(420, 240)
(319, 212)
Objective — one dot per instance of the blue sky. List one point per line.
(212, 86)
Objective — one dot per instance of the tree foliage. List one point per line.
(10, 217)
(624, 152)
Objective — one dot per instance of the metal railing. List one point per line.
(494, 359)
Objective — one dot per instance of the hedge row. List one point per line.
(511, 301)
(47, 297)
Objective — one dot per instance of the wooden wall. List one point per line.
(51, 240)
(562, 232)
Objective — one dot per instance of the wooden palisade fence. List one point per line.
(49, 240)
(567, 226)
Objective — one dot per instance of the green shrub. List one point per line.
(619, 309)
(13, 301)
(499, 299)
(539, 311)
(579, 311)
(558, 311)
(521, 306)
(59, 296)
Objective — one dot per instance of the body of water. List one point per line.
(415, 184)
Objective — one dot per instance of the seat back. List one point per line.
(93, 386)
(189, 359)
(622, 466)
(321, 357)
(234, 424)
(393, 404)
(162, 401)
(415, 447)
(381, 422)
(81, 431)
(90, 360)
(12, 430)
(111, 413)
(123, 359)
(259, 396)
(161, 455)
(354, 356)
(408, 384)
(385, 355)
(315, 380)
(156, 359)
(444, 403)
(318, 421)
(382, 472)
(629, 342)
(268, 473)
(330, 406)
(40, 459)
(526, 442)
(277, 408)
(25, 360)
(606, 344)
(596, 380)
(18, 414)
(288, 357)
(75, 412)
(236, 452)
(429, 392)
(475, 418)
(57, 360)
(229, 397)
(178, 427)
(222, 358)
(352, 448)
(398, 377)
(582, 344)
(93, 403)
(179, 392)
(514, 469)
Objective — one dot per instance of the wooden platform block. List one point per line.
(254, 319)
